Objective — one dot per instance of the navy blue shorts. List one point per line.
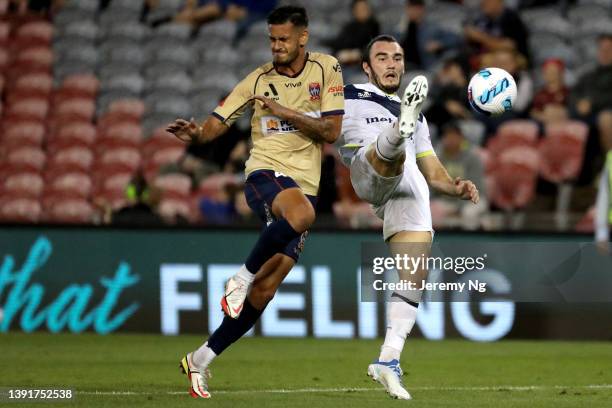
(260, 189)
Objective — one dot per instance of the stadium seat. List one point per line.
(78, 156)
(213, 185)
(113, 198)
(20, 210)
(562, 151)
(77, 109)
(126, 54)
(36, 32)
(76, 184)
(124, 155)
(31, 133)
(40, 57)
(69, 211)
(174, 185)
(24, 184)
(178, 83)
(28, 109)
(515, 177)
(126, 32)
(123, 131)
(513, 133)
(170, 105)
(83, 29)
(166, 156)
(28, 156)
(127, 108)
(172, 210)
(77, 133)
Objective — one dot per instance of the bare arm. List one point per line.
(489, 41)
(190, 132)
(438, 178)
(325, 129)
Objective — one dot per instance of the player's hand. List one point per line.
(466, 190)
(187, 131)
(274, 107)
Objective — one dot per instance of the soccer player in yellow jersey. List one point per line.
(298, 105)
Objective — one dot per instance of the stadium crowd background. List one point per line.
(89, 85)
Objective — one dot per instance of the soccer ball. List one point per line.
(492, 91)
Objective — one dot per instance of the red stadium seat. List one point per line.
(515, 178)
(30, 133)
(167, 155)
(37, 56)
(36, 32)
(78, 184)
(4, 59)
(132, 108)
(79, 132)
(174, 185)
(173, 209)
(35, 158)
(513, 133)
(114, 198)
(24, 184)
(77, 156)
(20, 210)
(123, 131)
(77, 109)
(81, 85)
(213, 185)
(28, 109)
(562, 151)
(70, 211)
(161, 140)
(125, 156)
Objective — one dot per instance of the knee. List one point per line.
(301, 217)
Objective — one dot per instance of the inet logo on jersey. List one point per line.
(379, 120)
(272, 124)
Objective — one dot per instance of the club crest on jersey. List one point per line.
(314, 88)
(272, 125)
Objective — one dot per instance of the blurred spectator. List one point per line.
(143, 200)
(449, 95)
(550, 102)
(603, 206)
(243, 12)
(497, 28)
(355, 35)
(227, 207)
(45, 7)
(424, 42)
(593, 92)
(236, 161)
(460, 160)
(516, 65)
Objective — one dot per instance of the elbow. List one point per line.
(331, 136)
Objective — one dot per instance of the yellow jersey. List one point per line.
(316, 91)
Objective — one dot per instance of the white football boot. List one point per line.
(412, 103)
(236, 291)
(198, 379)
(389, 374)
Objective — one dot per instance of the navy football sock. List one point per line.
(231, 330)
(274, 238)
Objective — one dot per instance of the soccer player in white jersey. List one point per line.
(385, 141)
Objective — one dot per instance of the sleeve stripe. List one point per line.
(216, 115)
(425, 154)
(333, 112)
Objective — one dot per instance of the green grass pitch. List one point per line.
(142, 370)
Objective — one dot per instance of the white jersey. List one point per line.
(369, 111)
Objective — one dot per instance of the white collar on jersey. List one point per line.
(370, 87)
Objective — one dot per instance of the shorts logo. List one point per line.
(314, 88)
(272, 124)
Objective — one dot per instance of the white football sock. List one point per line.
(244, 274)
(389, 144)
(401, 317)
(203, 356)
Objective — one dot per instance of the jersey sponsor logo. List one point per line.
(293, 84)
(364, 95)
(337, 90)
(337, 68)
(314, 88)
(273, 125)
(275, 96)
(380, 119)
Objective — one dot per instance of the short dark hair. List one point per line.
(378, 38)
(289, 14)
